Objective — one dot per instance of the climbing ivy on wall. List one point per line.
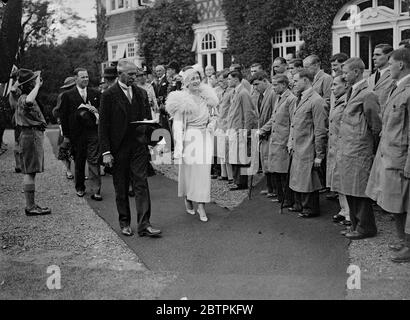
(166, 33)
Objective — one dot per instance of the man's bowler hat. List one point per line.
(110, 72)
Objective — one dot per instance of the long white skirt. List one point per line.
(194, 178)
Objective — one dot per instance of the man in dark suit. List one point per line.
(123, 148)
(79, 122)
(161, 85)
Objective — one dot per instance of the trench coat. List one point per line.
(335, 116)
(242, 115)
(387, 184)
(268, 104)
(309, 124)
(382, 88)
(279, 129)
(322, 85)
(222, 125)
(359, 132)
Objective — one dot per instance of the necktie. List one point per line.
(393, 88)
(129, 94)
(377, 76)
(260, 102)
(298, 101)
(349, 94)
(84, 95)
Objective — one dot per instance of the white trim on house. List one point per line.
(218, 30)
(122, 48)
(373, 18)
(285, 40)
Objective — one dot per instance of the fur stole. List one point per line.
(183, 101)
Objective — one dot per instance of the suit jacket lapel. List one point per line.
(383, 78)
(123, 100)
(359, 89)
(304, 99)
(402, 87)
(282, 99)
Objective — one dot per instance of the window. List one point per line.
(386, 3)
(113, 5)
(290, 35)
(277, 37)
(131, 50)
(120, 4)
(405, 6)
(345, 45)
(285, 41)
(208, 42)
(114, 49)
(405, 34)
(366, 4)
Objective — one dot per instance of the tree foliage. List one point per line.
(251, 25)
(42, 21)
(57, 62)
(166, 33)
(315, 24)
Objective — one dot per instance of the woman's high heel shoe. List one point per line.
(202, 216)
(189, 211)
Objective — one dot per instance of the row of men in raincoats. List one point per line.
(346, 132)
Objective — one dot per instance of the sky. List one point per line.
(85, 9)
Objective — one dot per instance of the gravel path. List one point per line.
(73, 237)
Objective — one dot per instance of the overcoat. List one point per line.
(265, 114)
(242, 115)
(359, 132)
(387, 184)
(322, 85)
(335, 117)
(382, 88)
(279, 129)
(114, 117)
(309, 123)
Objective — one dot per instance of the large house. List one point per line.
(357, 28)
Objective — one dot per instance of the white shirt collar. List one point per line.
(402, 80)
(123, 85)
(382, 71)
(354, 87)
(81, 90)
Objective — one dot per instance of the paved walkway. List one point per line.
(252, 252)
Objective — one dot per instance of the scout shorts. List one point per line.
(32, 150)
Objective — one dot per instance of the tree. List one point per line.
(9, 35)
(41, 22)
(166, 33)
(57, 62)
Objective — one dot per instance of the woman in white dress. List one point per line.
(193, 134)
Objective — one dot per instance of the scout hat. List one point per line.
(26, 75)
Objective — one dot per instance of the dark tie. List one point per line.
(393, 88)
(377, 76)
(349, 94)
(260, 102)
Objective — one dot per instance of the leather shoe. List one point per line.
(127, 231)
(293, 209)
(264, 192)
(308, 215)
(237, 188)
(81, 193)
(131, 193)
(338, 218)
(37, 211)
(345, 223)
(402, 256)
(96, 197)
(150, 232)
(355, 235)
